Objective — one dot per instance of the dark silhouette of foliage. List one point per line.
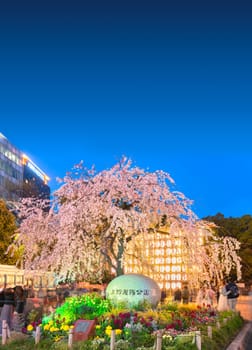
(7, 231)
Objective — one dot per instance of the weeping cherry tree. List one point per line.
(93, 218)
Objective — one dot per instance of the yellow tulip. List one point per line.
(29, 328)
(46, 327)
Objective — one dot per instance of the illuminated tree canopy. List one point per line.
(93, 217)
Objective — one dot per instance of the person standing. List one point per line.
(232, 294)
(177, 295)
(163, 295)
(210, 294)
(1, 298)
(18, 317)
(20, 299)
(201, 299)
(222, 300)
(185, 295)
(8, 308)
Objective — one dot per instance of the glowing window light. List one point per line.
(173, 285)
(168, 243)
(162, 269)
(173, 277)
(24, 159)
(179, 260)
(167, 268)
(28, 162)
(168, 260)
(167, 285)
(168, 251)
(174, 260)
(175, 268)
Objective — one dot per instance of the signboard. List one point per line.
(83, 329)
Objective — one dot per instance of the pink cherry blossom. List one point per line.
(93, 217)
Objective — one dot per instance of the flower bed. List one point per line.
(136, 329)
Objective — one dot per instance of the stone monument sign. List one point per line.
(133, 289)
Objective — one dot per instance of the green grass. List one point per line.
(224, 336)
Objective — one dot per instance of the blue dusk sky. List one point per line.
(166, 83)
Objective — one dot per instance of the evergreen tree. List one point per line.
(7, 231)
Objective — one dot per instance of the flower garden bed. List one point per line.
(136, 329)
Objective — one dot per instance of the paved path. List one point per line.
(244, 339)
(244, 305)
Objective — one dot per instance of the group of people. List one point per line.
(226, 296)
(12, 302)
(182, 295)
(206, 296)
(223, 298)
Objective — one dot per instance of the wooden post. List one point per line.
(8, 330)
(209, 332)
(37, 335)
(198, 340)
(4, 332)
(159, 341)
(112, 340)
(70, 339)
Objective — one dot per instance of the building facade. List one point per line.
(19, 176)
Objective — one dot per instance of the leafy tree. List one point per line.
(241, 229)
(7, 231)
(94, 217)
